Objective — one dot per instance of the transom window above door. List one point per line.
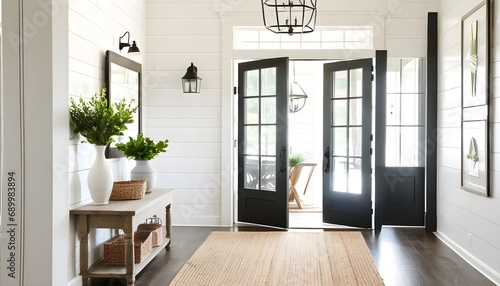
(328, 38)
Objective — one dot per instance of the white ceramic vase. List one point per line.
(100, 178)
(143, 170)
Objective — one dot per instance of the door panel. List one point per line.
(262, 142)
(399, 160)
(347, 143)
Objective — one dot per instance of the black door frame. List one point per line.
(259, 206)
(348, 208)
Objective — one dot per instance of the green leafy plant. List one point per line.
(295, 159)
(98, 122)
(142, 148)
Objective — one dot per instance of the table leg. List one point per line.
(168, 225)
(129, 251)
(84, 248)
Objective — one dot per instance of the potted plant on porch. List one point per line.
(98, 122)
(143, 150)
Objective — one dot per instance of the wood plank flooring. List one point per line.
(404, 256)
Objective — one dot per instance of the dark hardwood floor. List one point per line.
(404, 256)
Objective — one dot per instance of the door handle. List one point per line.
(282, 157)
(327, 156)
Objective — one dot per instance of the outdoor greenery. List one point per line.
(142, 148)
(295, 159)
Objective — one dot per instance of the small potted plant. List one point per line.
(295, 159)
(98, 122)
(143, 150)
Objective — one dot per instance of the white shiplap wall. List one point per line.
(94, 27)
(462, 214)
(181, 32)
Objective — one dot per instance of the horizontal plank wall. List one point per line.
(178, 33)
(94, 27)
(468, 222)
(199, 126)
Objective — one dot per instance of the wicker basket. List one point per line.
(114, 248)
(154, 226)
(128, 190)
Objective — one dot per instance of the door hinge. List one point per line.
(372, 211)
(371, 137)
(371, 151)
(373, 77)
(235, 90)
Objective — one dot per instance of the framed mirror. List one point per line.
(123, 78)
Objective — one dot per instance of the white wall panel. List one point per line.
(462, 214)
(451, 98)
(449, 137)
(94, 27)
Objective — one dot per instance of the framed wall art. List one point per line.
(475, 99)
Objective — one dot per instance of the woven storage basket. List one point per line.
(114, 248)
(128, 190)
(153, 225)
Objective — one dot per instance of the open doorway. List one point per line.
(305, 135)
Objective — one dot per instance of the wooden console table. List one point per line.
(121, 215)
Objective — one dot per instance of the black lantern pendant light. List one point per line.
(289, 17)
(297, 95)
(190, 81)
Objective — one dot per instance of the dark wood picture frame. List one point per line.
(113, 59)
(475, 83)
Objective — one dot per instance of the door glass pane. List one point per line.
(251, 172)
(393, 110)
(409, 76)
(268, 81)
(252, 83)
(355, 111)
(393, 76)
(412, 109)
(251, 140)
(392, 146)
(251, 110)
(268, 140)
(405, 114)
(268, 110)
(410, 153)
(339, 113)
(355, 141)
(339, 141)
(339, 174)
(340, 84)
(355, 176)
(268, 177)
(356, 83)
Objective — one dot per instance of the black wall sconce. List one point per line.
(132, 48)
(190, 81)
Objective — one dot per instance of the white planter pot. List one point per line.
(100, 178)
(144, 171)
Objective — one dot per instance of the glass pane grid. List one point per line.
(405, 113)
(332, 37)
(346, 124)
(260, 130)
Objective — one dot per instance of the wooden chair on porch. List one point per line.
(294, 178)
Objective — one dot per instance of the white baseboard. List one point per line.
(77, 281)
(473, 261)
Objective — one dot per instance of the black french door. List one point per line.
(347, 137)
(263, 142)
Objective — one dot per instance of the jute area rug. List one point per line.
(280, 258)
